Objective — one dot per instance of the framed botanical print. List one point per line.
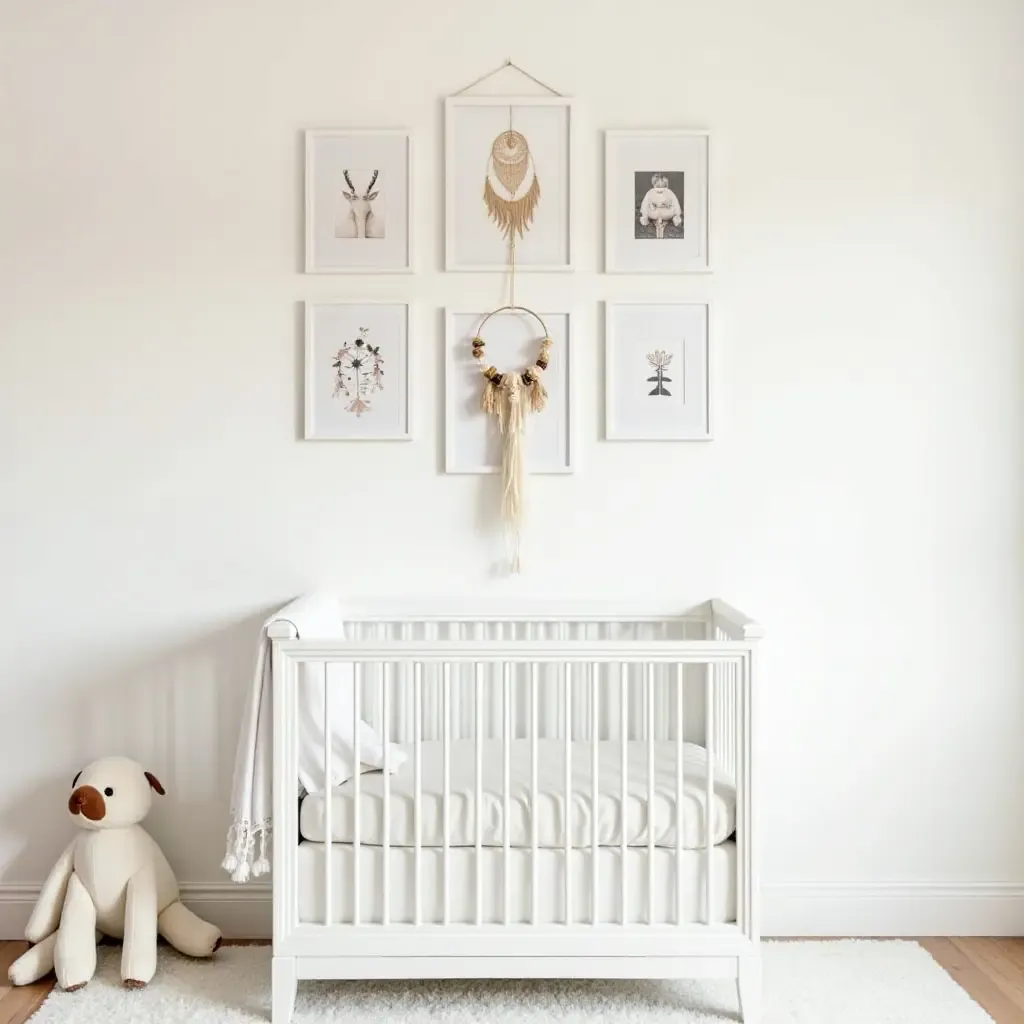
(473, 442)
(358, 201)
(657, 372)
(357, 371)
(509, 163)
(657, 202)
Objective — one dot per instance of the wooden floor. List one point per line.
(991, 970)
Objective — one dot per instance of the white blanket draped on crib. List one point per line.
(319, 617)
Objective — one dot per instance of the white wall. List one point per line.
(863, 496)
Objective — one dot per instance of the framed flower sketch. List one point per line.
(357, 371)
(358, 201)
(508, 167)
(657, 202)
(473, 438)
(657, 372)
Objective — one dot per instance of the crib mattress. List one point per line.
(550, 885)
(612, 818)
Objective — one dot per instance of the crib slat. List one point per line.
(567, 684)
(624, 812)
(649, 701)
(446, 686)
(328, 795)
(595, 797)
(505, 787)
(385, 704)
(417, 770)
(356, 779)
(679, 794)
(403, 707)
(533, 794)
(478, 806)
(709, 795)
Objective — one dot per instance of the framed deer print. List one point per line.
(357, 371)
(509, 163)
(358, 201)
(657, 372)
(657, 202)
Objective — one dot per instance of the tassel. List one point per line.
(489, 401)
(538, 395)
(230, 862)
(511, 423)
(241, 873)
(262, 864)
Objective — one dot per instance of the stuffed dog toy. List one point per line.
(113, 880)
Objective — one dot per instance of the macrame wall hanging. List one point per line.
(512, 194)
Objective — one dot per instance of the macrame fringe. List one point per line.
(510, 420)
(490, 399)
(512, 216)
(538, 395)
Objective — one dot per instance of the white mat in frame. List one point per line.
(472, 439)
(676, 165)
(373, 402)
(355, 177)
(473, 242)
(658, 371)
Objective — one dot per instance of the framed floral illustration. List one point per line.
(657, 202)
(657, 372)
(357, 372)
(509, 163)
(358, 201)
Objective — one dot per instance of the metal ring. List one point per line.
(502, 309)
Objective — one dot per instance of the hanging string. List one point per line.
(509, 63)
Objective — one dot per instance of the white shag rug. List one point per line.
(843, 982)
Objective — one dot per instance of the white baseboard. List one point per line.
(885, 909)
(808, 909)
(240, 911)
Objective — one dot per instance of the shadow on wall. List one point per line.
(176, 710)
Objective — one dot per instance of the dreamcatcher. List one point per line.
(512, 192)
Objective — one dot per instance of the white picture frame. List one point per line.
(637, 337)
(649, 227)
(328, 410)
(473, 240)
(358, 203)
(472, 438)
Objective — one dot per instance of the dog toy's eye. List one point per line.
(108, 791)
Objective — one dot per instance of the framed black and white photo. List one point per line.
(657, 372)
(509, 163)
(657, 202)
(358, 201)
(472, 438)
(357, 371)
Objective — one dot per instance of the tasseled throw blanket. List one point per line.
(319, 617)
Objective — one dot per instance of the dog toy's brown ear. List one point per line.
(74, 781)
(154, 782)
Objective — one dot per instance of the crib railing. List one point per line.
(517, 676)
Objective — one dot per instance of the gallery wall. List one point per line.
(862, 496)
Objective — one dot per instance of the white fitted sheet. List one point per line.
(550, 885)
(550, 809)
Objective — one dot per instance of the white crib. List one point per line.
(578, 800)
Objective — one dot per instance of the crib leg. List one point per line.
(748, 985)
(283, 985)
